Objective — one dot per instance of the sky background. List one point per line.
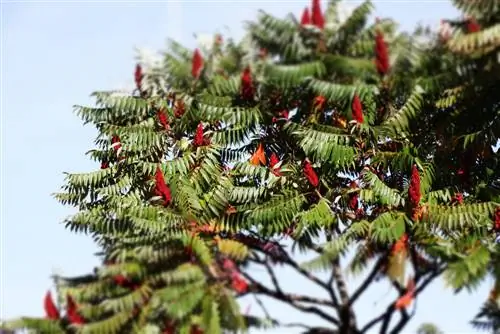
(54, 54)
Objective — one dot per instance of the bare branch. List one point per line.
(366, 283)
(293, 300)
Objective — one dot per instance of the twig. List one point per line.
(366, 283)
(293, 300)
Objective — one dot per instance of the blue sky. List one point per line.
(54, 56)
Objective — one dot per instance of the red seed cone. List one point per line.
(497, 219)
(357, 109)
(310, 174)
(115, 143)
(472, 25)
(316, 15)
(138, 75)
(381, 54)
(247, 89)
(72, 312)
(161, 188)
(414, 194)
(198, 137)
(196, 64)
(273, 161)
(306, 17)
(51, 311)
(162, 118)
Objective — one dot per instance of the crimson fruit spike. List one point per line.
(247, 88)
(381, 54)
(161, 188)
(198, 137)
(138, 75)
(357, 109)
(414, 189)
(316, 15)
(196, 64)
(306, 17)
(51, 311)
(310, 174)
(72, 312)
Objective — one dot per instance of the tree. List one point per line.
(339, 161)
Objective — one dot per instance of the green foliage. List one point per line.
(183, 261)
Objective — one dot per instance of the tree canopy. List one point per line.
(312, 134)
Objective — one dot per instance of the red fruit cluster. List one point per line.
(198, 139)
(317, 18)
(381, 54)
(472, 25)
(247, 89)
(238, 283)
(310, 174)
(319, 102)
(497, 219)
(414, 189)
(458, 198)
(196, 64)
(161, 188)
(115, 143)
(282, 114)
(52, 313)
(306, 17)
(273, 161)
(162, 118)
(357, 109)
(138, 75)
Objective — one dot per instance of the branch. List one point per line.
(362, 288)
(293, 300)
(387, 315)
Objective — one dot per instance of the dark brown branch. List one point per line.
(366, 283)
(387, 315)
(293, 300)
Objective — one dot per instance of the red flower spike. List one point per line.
(162, 118)
(104, 165)
(353, 201)
(115, 143)
(310, 174)
(458, 198)
(238, 283)
(179, 108)
(316, 15)
(138, 76)
(306, 17)
(51, 311)
(497, 219)
(196, 64)
(357, 109)
(247, 90)
(198, 137)
(161, 188)
(273, 160)
(72, 312)
(472, 25)
(120, 280)
(319, 102)
(381, 54)
(414, 189)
